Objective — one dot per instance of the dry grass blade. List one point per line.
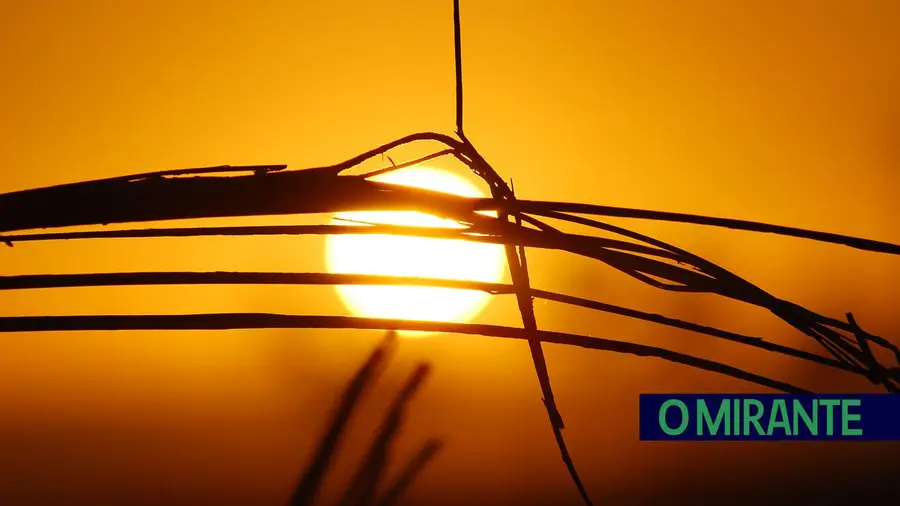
(361, 490)
(311, 482)
(409, 473)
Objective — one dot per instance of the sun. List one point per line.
(415, 257)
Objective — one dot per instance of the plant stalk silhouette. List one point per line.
(270, 190)
(362, 490)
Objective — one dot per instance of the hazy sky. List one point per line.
(783, 111)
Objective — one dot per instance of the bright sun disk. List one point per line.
(415, 257)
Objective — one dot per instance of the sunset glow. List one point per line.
(414, 257)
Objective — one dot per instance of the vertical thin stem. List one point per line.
(518, 271)
(457, 49)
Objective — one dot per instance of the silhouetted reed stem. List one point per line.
(362, 490)
(230, 321)
(308, 488)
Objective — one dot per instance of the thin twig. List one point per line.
(232, 321)
(411, 163)
(457, 52)
(517, 265)
(45, 281)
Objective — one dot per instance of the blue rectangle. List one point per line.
(782, 417)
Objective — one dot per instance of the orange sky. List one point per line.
(777, 111)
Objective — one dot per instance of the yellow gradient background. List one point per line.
(782, 111)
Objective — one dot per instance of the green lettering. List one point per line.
(812, 424)
(829, 416)
(752, 418)
(704, 418)
(662, 417)
(847, 417)
(779, 408)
